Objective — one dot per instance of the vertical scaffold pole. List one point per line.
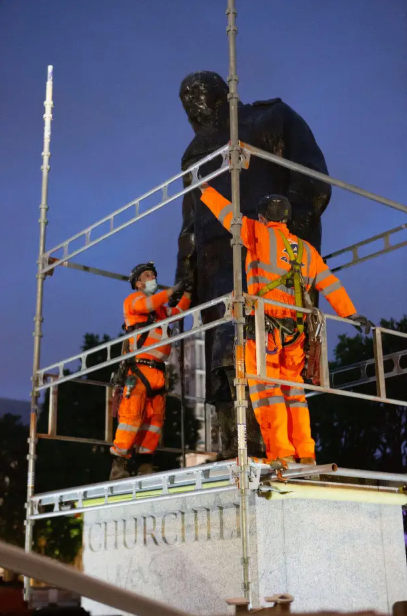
(38, 319)
(238, 300)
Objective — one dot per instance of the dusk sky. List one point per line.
(119, 129)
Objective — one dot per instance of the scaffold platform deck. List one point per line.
(208, 478)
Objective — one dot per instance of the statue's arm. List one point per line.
(186, 258)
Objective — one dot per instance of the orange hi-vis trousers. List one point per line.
(282, 411)
(140, 418)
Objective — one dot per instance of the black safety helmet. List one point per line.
(138, 270)
(275, 208)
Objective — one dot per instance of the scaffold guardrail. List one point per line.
(165, 198)
(255, 304)
(204, 479)
(82, 357)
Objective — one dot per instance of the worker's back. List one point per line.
(268, 259)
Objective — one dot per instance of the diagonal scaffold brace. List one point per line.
(235, 153)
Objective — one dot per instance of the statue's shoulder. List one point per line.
(192, 153)
(269, 103)
(205, 142)
(275, 110)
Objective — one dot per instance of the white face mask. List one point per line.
(150, 287)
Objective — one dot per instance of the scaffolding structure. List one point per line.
(245, 475)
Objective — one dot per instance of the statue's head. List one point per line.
(202, 94)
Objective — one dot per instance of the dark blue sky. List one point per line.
(119, 129)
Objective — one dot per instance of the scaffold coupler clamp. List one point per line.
(244, 156)
(241, 605)
(254, 477)
(281, 602)
(236, 240)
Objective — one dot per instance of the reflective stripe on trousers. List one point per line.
(140, 418)
(282, 412)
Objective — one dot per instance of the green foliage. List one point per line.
(13, 478)
(358, 433)
(61, 537)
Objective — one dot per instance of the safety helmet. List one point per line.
(138, 270)
(275, 208)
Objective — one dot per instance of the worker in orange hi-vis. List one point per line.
(142, 409)
(277, 264)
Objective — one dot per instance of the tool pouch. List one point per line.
(312, 370)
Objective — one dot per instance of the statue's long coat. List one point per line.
(204, 245)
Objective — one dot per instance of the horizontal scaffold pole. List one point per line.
(82, 357)
(164, 199)
(288, 164)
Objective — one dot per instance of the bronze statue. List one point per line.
(204, 250)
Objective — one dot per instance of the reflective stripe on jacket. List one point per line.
(267, 260)
(136, 309)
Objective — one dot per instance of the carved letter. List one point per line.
(221, 535)
(182, 526)
(173, 513)
(116, 533)
(134, 533)
(150, 532)
(208, 522)
(91, 547)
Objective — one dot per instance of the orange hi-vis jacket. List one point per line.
(267, 260)
(137, 308)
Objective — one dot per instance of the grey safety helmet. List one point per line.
(138, 270)
(275, 208)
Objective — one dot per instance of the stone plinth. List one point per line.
(337, 554)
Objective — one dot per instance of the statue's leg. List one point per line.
(224, 401)
(225, 412)
(255, 443)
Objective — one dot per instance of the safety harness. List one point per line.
(131, 364)
(293, 278)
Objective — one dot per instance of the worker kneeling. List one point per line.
(280, 266)
(142, 409)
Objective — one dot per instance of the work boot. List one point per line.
(306, 461)
(146, 469)
(119, 469)
(278, 464)
(146, 464)
(290, 460)
(310, 462)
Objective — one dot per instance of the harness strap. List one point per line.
(151, 393)
(151, 363)
(152, 317)
(294, 274)
(143, 337)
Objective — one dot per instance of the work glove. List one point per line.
(361, 323)
(179, 287)
(188, 284)
(178, 291)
